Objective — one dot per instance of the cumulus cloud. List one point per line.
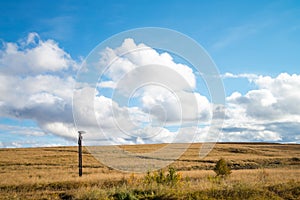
(144, 96)
(254, 116)
(130, 56)
(34, 56)
(37, 84)
(165, 88)
(276, 98)
(150, 93)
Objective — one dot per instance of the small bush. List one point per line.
(160, 177)
(124, 196)
(171, 178)
(222, 168)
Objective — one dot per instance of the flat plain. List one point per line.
(259, 171)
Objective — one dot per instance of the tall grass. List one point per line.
(259, 171)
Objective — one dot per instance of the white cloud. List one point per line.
(276, 98)
(165, 88)
(66, 130)
(42, 91)
(250, 77)
(254, 115)
(152, 93)
(37, 84)
(34, 56)
(107, 84)
(285, 88)
(22, 130)
(42, 98)
(130, 56)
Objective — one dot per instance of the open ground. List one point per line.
(259, 171)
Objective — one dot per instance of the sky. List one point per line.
(254, 44)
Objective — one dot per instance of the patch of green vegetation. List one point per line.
(172, 177)
(234, 192)
(222, 168)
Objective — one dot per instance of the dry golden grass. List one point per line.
(50, 173)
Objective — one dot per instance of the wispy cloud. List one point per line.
(59, 27)
(235, 34)
(244, 75)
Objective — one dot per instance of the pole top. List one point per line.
(81, 132)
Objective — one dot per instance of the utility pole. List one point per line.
(80, 151)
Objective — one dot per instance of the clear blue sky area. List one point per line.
(241, 36)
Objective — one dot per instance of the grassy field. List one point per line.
(259, 171)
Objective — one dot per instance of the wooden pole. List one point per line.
(80, 153)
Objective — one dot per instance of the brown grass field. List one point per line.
(259, 171)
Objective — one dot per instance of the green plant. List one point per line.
(160, 177)
(124, 196)
(222, 168)
(171, 178)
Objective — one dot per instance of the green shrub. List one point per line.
(171, 178)
(124, 196)
(222, 168)
(160, 177)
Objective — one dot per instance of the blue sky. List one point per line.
(241, 36)
(255, 45)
